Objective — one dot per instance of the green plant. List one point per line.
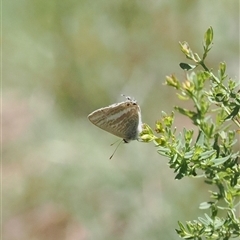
(213, 154)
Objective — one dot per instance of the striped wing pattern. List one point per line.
(122, 119)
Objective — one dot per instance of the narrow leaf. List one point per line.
(208, 37)
(186, 66)
(218, 161)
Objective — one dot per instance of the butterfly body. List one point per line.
(121, 119)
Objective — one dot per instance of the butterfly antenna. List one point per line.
(127, 97)
(115, 148)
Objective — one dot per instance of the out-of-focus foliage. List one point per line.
(60, 61)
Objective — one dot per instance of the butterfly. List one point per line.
(120, 119)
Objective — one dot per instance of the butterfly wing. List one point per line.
(121, 120)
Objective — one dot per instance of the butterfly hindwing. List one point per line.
(121, 119)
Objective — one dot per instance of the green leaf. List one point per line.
(218, 161)
(186, 66)
(210, 220)
(234, 112)
(186, 112)
(207, 154)
(200, 139)
(222, 69)
(204, 205)
(179, 176)
(181, 97)
(188, 155)
(204, 221)
(208, 37)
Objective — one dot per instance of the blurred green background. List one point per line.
(61, 61)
